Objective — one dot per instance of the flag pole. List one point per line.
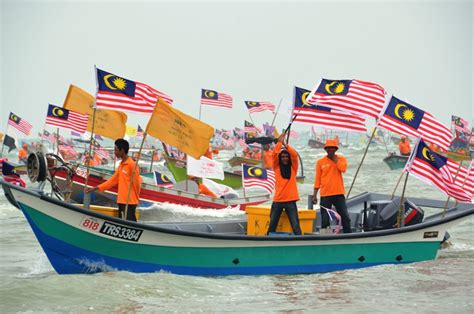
(396, 186)
(200, 108)
(3, 141)
(86, 195)
(276, 112)
(252, 119)
(152, 156)
(400, 209)
(57, 141)
(362, 161)
(243, 181)
(133, 175)
(455, 176)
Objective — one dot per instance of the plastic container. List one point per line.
(258, 220)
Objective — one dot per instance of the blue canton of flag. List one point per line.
(404, 113)
(109, 82)
(403, 118)
(162, 180)
(334, 87)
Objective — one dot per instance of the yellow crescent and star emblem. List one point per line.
(13, 117)
(164, 178)
(252, 103)
(254, 172)
(209, 93)
(335, 87)
(427, 154)
(114, 82)
(304, 97)
(57, 112)
(402, 112)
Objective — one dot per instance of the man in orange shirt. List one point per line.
(285, 165)
(329, 170)
(404, 146)
(23, 154)
(122, 177)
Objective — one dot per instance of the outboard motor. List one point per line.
(412, 214)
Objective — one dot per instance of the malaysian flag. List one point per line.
(162, 180)
(258, 106)
(117, 93)
(334, 216)
(250, 127)
(328, 117)
(139, 131)
(20, 124)
(47, 136)
(441, 172)
(104, 154)
(258, 177)
(403, 118)
(68, 119)
(213, 98)
(354, 96)
(460, 124)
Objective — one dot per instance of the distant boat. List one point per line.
(238, 160)
(395, 161)
(231, 179)
(151, 194)
(315, 143)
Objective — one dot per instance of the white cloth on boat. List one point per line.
(205, 168)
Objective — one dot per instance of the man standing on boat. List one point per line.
(23, 154)
(122, 177)
(404, 146)
(285, 165)
(328, 179)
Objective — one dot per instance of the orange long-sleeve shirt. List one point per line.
(404, 147)
(329, 176)
(121, 178)
(22, 154)
(285, 189)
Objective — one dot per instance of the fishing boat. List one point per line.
(395, 161)
(231, 179)
(238, 160)
(187, 194)
(144, 171)
(81, 241)
(315, 143)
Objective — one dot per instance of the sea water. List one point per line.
(28, 283)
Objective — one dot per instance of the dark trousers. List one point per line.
(339, 201)
(292, 213)
(130, 211)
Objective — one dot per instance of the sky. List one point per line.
(420, 51)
